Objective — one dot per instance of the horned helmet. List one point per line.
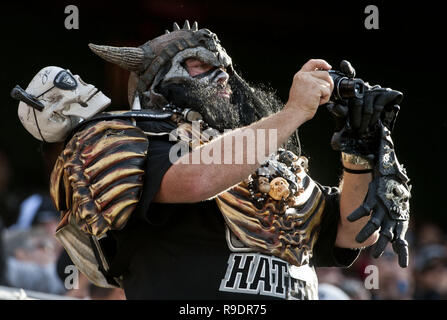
(55, 101)
(162, 60)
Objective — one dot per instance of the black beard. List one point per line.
(247, 104)
(218, 112)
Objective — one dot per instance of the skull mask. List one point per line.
(263, 185)
(279, 188)
(55, 101)
(161, 60)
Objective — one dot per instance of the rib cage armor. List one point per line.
(99, 175)
(288, 233)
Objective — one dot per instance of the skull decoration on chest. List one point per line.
(278, 179)
(277, 209)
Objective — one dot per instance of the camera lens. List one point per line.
(345, 87)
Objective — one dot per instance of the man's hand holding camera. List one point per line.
(312, 86)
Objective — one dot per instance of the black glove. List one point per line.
(388, 200)
(357, 125)
(377, 104)
(363, 127)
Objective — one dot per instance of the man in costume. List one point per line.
(159, 224)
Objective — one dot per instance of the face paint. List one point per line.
(216, 77)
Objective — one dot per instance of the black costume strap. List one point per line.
(138, 115)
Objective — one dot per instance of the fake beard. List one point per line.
(243, 108)
(246, 105)
(217, 111)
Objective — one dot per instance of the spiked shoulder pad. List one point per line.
(98, 177)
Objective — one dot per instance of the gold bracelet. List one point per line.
(356, 160)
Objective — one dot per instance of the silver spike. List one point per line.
(195, 26)
(167, 32)
(186, 26)
(176, 27)
(136, 103)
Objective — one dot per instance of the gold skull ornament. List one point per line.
(263, 185)
(279, 188)
(285, 224)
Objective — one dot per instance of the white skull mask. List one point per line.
(66, 101)
(279, 188)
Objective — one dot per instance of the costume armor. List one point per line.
(277, 210)
(99, 175)
(388, 201)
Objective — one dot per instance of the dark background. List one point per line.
(268, 43)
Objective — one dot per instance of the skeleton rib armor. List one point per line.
(99, 176)
(286, 229)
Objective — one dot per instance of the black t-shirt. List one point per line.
(180, 251)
